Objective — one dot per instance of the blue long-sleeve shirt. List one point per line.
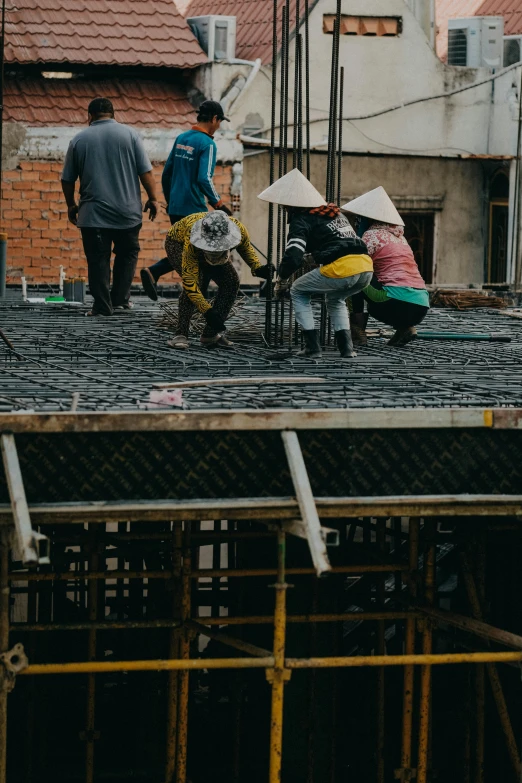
(187, 177)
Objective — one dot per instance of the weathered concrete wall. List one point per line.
(456, 186)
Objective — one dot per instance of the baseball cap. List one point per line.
(212, 109)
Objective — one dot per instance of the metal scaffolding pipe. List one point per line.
(493, 675)
(174, 643)
(278, 674)
(430, 528)
(4, 646)
(184, 652)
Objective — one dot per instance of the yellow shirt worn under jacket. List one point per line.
(192, 257)
(348, 266)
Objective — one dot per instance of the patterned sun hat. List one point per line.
(215, 233)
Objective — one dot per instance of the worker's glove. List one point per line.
(223, 208)
(214, 320)
(282, 288)
(263, 272)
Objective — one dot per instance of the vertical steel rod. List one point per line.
(515, 244)
(295, 131)
(286, 20)
(182, 732)
(307, 84)
(331, 117)
(4, 646)
(427, 643)
(340, 141)
(278, 673)
(409, 671)
(300, 103)
(270, 245)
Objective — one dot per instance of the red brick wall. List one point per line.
(40, 238)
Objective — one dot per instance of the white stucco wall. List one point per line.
(385, 71)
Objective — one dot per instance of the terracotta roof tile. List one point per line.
(100, 32)
(511, 10)
(253, 20)
(44, 102)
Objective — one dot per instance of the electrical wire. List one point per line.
(401, 149)
(415, 101)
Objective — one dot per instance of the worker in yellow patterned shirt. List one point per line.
(199, 248)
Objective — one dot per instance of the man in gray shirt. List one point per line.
(110, 160)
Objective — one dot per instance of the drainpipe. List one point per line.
(231, 97)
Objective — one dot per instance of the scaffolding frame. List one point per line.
(419, 613)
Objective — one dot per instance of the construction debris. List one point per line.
(464, 300)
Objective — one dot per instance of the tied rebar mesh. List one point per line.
(113, 363)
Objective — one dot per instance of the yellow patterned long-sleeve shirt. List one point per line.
(180, 232)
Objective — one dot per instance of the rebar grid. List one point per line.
(114, 362)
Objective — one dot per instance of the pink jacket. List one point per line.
(393, 260)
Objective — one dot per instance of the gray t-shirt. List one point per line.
(108, 157)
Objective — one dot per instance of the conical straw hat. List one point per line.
(377, 205)
(293, 190)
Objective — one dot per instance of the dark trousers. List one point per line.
(98, 245)
(392, 312)
(163, 267)
(225, 277)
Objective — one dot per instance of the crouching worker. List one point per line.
(319, 229)
(397, 295)
(198, 248)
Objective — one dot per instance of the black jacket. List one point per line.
(325, 237)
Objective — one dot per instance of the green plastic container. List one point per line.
(54, 299)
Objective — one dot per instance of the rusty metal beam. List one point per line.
(471, 625)
(208, 622)
(275, 419)
(227, 640)
(270, 508)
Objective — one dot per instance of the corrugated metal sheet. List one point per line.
(100, 32)
(254, 23)
(40, 102)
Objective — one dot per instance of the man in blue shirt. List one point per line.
(187, 180)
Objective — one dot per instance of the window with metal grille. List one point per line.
(221, 41)
(457, 47)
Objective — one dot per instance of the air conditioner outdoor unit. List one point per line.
(216, 35)
(512, 49)
(476, 42)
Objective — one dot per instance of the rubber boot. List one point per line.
(312, 347)
(403, 336)
(358, 323)
(343, 339)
